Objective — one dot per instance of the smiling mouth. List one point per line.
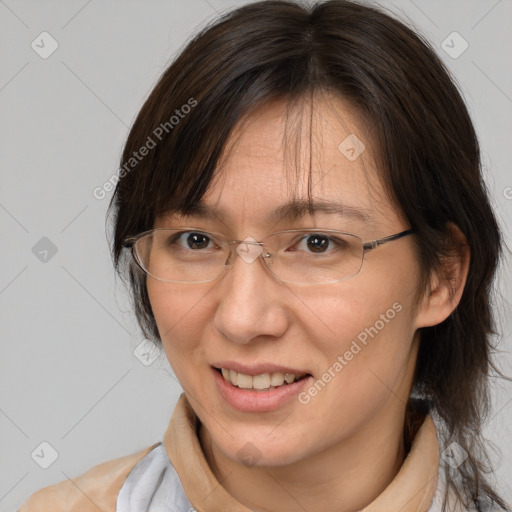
(262, 382)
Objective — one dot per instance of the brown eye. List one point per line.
(197, 241)
(191, 240)
(317, 243)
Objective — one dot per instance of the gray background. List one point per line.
(69, 375)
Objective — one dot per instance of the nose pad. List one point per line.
(249, 249)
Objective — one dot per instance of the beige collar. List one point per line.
(412, 490)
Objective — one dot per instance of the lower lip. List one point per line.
(247, 400)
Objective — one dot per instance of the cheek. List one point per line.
(176, 307)
(366, 342)
(366, 335)
(180, 313)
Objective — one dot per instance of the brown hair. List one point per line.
(428, 157)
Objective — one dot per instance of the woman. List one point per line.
(312, 244)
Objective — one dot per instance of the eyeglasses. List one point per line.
(299, 256)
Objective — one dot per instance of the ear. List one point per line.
(447, 284)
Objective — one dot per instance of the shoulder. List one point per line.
(94, 490)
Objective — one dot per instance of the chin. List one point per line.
(253, 449)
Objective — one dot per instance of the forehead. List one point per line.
(277, 153)
(322, 137)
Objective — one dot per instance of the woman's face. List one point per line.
(354, 339)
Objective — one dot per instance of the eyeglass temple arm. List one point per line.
(128, 242)
(368, 246)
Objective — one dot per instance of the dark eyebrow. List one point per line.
(297, 209)
(292, 210)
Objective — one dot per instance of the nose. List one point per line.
(251, 302)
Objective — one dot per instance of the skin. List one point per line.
(340, 450)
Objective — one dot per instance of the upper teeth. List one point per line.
(262, 381)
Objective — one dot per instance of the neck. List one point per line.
(350, 474)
